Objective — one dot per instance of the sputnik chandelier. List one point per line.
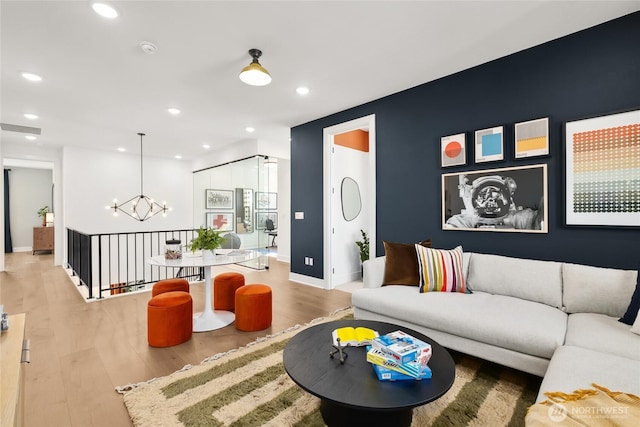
(140, 207)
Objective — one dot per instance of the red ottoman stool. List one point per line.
(224, 290)
(253, 307)
(169, 319)
(169, 285)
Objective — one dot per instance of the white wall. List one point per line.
(284, 210)
(87, 180)
(29, 190)
(92, 179)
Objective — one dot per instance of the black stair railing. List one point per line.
(114, 263)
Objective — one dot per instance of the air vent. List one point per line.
(21, 129)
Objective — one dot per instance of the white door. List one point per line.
(349, 181)
(342, 257)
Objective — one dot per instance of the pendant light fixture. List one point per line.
(254, 74)
(140, 207)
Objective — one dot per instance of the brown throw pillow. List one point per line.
(401, 263)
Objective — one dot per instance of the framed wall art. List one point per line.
(453, 150)
(220, 221)
(510, 199)
(266, 201)
(602, 170)
(489, 144)
(531, 138)
(218, 199)
(261, 219)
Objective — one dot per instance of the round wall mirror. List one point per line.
(351, 201)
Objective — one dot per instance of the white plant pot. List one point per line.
(208, 255)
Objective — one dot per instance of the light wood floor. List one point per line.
(81, 351)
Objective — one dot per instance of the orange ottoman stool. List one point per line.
(224, 290)
(168, 285)
(253, 307)
(169, 319)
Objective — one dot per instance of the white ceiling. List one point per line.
(100, 89)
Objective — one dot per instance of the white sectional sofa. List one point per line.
(552, 319)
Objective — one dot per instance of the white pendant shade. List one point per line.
(254, 74)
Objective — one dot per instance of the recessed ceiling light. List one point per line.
(30, 116)
(178, 156)
(32, 77)
(206, 146)
(174, 111)
(250, 129)
(122, 149)
(302, 90)
(104, 10)
(30, 137)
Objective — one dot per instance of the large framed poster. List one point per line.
(508, 199)
(602, 170)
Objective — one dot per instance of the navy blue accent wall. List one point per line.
(592, 72)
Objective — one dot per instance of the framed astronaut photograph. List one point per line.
(510, 199)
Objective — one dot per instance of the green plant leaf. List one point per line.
(207, 239)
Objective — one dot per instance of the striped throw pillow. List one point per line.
(440, 270)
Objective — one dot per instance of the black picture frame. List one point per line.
(266, 201)
(602, 170)
(218, 199)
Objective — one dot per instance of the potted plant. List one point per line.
(42, 212)
(363, 245)
(207, 240)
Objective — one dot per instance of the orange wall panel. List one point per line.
(356, 139)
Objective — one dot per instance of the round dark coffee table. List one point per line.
(351, 393)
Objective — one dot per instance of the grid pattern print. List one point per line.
(607, 170)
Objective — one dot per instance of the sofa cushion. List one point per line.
(538, 281)
(635, 328)
(440, 270)
(630, 316)
(401, 264)
(602, 333)
(511, 323)
(572, 368)
(590, 289)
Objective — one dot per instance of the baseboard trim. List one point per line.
(307, 280)
(22, 249)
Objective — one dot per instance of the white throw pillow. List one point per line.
(636, 325)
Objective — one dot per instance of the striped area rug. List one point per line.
(249, 387)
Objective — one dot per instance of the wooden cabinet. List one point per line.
(42, 239)
(12, 353)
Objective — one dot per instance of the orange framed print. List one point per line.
(453, 150)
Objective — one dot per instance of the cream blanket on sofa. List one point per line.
(598, 406)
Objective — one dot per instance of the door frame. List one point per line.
(365, 122)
